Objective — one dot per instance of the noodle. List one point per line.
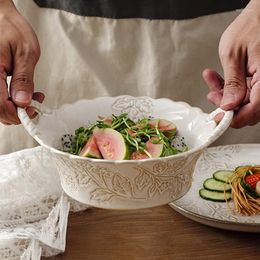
(244, 202)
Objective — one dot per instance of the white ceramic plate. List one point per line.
(217, 214)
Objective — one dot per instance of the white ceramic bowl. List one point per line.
(125, 184)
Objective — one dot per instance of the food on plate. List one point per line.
(223, 175)
(241, 185)
(215, 196)
(120, 138)
(245, 192)
(218, 188)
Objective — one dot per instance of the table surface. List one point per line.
(156, 233)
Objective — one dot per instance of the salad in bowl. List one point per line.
(120, 138)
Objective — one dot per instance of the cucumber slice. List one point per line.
(214, 185)
(223, 175)
(214, 195)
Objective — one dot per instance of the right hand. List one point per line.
(239, 51)
(19, 53)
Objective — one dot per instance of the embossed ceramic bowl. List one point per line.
(125, 184)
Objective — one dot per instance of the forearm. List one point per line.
(254, 2)
(6, 6)
(4, 3)
(254, 5)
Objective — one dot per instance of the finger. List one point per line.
(254, 123)
(5, 123)
(215, 97)
(249, 113)
(218, 118)
(38, 96)
(255, 78)
(30, 111)
(235, 80)
(248, 90)
(213, 79)
(8, 114)
(22, 78)
(244, 116)
(215, 83)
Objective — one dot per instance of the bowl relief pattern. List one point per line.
(141, 183)
(136, 108)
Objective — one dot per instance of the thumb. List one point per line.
(235, 83)
(22, 86)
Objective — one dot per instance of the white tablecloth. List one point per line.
(33, 209)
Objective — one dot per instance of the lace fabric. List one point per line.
(34, 210)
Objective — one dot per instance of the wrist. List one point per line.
(254, 4)
(6, 4)
(7, 7)
(252, 10)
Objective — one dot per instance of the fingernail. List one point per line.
(22, 96)
(228, 99)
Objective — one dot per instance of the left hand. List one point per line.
(239, 51)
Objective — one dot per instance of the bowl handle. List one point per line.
(223, 125)
(26, 120)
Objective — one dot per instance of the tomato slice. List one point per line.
(252, 179)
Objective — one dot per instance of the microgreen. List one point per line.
(135, 134)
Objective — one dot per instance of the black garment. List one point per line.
(150, 9)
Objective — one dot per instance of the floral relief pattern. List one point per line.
(227, 152)
(136, 108)
(106, 183)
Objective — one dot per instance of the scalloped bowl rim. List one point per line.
(183, 154)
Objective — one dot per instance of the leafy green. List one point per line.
(136, 134)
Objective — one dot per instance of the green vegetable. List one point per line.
(248, 189)
(223, 175)
(214, 195)
(214, 185)
(216, 188)
(139, 137)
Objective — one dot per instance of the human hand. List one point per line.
(239, 51)
(19, 53)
